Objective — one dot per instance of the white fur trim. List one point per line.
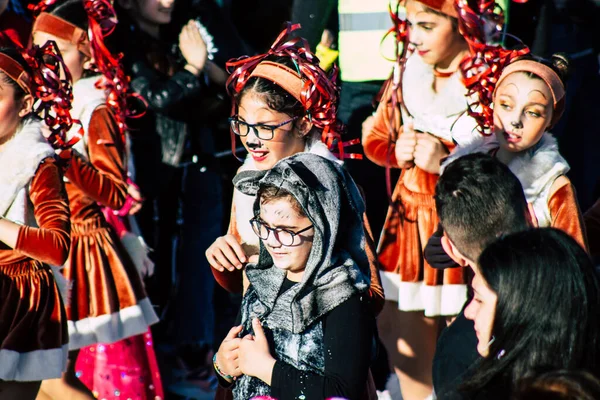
(87, 97)
(110, 328)
(390, 282)
(442, 114)
(417, 296)
(19, 160)
(33, 366)
(537, 169)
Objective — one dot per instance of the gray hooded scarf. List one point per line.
(337, 267)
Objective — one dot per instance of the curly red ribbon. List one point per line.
(319, 95)
(400, 32)
(53, 95)
(482, 68)
(102, 21)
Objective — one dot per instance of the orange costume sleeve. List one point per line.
(103, 177)
(49, 242)
(375, 143)
(565, 212)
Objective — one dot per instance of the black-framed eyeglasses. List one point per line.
(284, 236)
(262, 131)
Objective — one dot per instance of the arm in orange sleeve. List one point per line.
(565, 212)
(103, 177)
(376, 294)
(591, 220)
(375, 141)
(50, 242)
(230, 280)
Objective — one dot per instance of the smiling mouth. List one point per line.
(422, 52)
(259, 155)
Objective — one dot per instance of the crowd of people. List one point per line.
(207, 208)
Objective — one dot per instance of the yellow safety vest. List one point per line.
(363, 55)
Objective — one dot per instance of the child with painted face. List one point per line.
(107, 300)
(305, 302)
(421, 118)
(523, 321)
(34, 228)
(284, 104)
(528, 100)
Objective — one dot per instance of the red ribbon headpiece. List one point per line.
(316, 90)
(482, 68)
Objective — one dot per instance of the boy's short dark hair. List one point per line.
(478, 199)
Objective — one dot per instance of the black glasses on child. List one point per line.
(262, 131)
(284, 236)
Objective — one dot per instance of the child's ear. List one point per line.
(454, 254)
(26, 106)
(304, 126)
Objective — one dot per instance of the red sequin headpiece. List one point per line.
(483, 67)
(53, 96)
(102, 21)
(308, 83)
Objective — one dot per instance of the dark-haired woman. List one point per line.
(529, 99)
(275, 118)
(107, 300)
(535, 308)
(34, 234)
(559, 385)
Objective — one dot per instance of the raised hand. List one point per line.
(226, 253)
(429, 152)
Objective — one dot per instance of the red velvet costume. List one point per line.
(33, 328)
(108, 301)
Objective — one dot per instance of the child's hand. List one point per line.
(193, 48)
(406, 145)
(228, 353)
(134, 192)
(429, 151)
(254, 356)
(226, 253)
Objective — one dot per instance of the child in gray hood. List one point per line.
(306, 330)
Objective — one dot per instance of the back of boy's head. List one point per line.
(478, 199)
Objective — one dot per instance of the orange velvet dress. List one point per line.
(407, 277)
(239, 227)
(33, 324)
(108, 301)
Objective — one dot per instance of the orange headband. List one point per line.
(447, 7)
(62, 29)
(281, 75)
(15, 71)
(552, 80)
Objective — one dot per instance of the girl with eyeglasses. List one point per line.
(305, 300)
(284, 104)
